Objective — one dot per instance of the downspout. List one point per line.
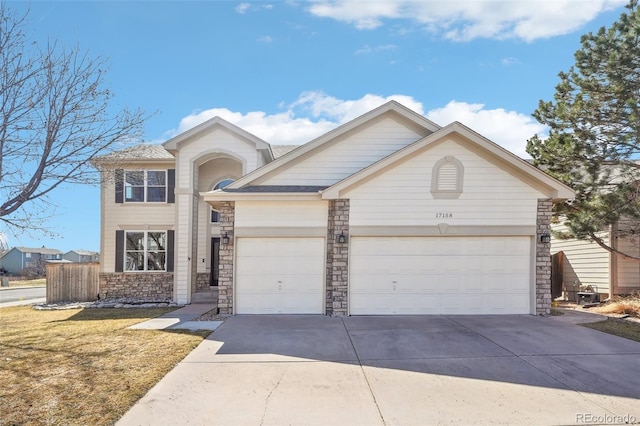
(613, 259)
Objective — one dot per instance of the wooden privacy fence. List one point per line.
(72, 282)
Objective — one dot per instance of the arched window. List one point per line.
(215, 215)
(447, 178)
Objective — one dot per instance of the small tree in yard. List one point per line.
(36, 269)
(54, 118)
(594, 137)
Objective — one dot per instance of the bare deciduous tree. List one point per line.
(54, 119)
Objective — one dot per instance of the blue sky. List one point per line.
(289, 71)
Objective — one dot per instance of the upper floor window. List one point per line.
(215, 215)
(447, 178)
(145, 251)
(145, 186)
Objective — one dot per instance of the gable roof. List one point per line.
(41, 250)
(83, 252)
(390, 107)
(526, 171)
(174, 143)
(140, 152)
(280, 150)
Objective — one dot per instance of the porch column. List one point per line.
(225, 275)
(337, 280)
(185, 244)
(543, 258)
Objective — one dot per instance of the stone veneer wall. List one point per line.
(225, 276)
(337, 295)
(146, 286)
(203, 279)
(543, 258)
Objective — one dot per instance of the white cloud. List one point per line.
(510, 61)
(368, 49)
(242, 8)
(467, 20)
(315, 113)
(279, 129)
(509, 129)
(265, 39)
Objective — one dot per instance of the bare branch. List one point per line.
(55, 117)
(610, 249)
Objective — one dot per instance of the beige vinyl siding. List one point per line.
(183, 243)
(275, 214)
(340, 160)
(130, 216)
(584, 261)
(628, 271)
(217, 141)
(402, 195)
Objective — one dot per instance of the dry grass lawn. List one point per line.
(629, 305)
(627, 330)
(81, 367)
(621, 305)
(39, 282)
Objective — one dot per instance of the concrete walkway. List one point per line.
(413, 370)
(181, 318)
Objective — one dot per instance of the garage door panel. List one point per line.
(280, 276)
(448, 275)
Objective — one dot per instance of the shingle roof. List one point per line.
(83, 252)
(277, 188)
(41, 250)
(280, 150)
(142, 151)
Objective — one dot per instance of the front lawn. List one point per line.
(80, 367)
(38, 282)
(628, 330)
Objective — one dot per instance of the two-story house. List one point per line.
(20, 260)
(389, 213)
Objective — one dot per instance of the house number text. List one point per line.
(444, 215)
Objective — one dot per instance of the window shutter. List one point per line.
(119, 177)
(171, 185)
(170, 252)
(119, 251)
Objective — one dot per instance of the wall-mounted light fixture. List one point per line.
(225, 238)
(341, 239)
(545, 237)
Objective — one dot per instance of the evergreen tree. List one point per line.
(593, 144)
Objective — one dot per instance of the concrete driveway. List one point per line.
(315, 370)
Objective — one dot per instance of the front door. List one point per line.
(215, 261)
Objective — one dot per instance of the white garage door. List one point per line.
(440, 275)
(280, 275)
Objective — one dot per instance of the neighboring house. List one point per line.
(20, 259)
(582, 263)
(387, 214)
(81, 256)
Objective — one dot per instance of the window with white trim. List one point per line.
(145, 251)
(145, 186)
(447, 178)
(215, 215)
